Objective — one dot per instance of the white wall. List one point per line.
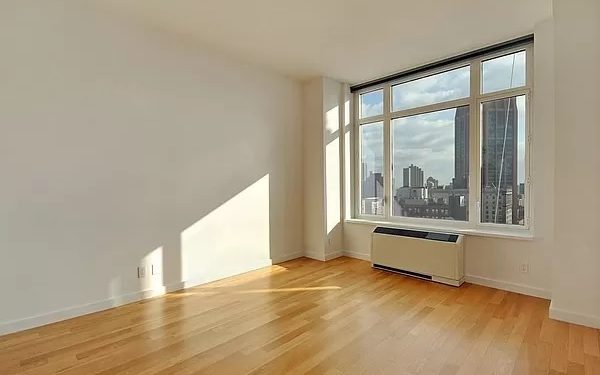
(576, 276)
(323, 236)
(122, 146)
(352, 41)
(333, 108)
(314, 159)
(496, 261)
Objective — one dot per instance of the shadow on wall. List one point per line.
(333, 185)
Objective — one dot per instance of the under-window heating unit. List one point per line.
(427, 255)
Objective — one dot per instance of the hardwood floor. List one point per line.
(309, 317)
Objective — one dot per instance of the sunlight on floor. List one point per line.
(225, 290)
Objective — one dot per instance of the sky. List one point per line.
(427, 140)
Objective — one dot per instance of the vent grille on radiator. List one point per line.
(446, 237)
(404, 272)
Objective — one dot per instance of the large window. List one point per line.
(447, 147)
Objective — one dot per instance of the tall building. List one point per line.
(461, 148)
(413, 176)
(458, 206)
(503, 213)
(372, 194)
(499, 157)
(432, 183)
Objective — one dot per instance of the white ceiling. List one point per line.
(349, 40)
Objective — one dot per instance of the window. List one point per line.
(450, 85)
(371, 104)
(503, 72)
(448, 147)
(503, 160)
(431, 164)
(371, 169)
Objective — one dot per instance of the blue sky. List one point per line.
(428, 140)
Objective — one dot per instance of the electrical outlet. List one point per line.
(155, 269)
(525, 268)
(141, 272)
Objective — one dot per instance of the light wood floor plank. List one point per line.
(309, 317)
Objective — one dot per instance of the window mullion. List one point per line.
(530, 123)
(474, 140)
(504, 94)
(356, 157)
(430, 108)
(387, 144)
(369, 120)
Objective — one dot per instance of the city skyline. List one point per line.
(418, 193)
(430, 152)
(373, 140)
(499, 73)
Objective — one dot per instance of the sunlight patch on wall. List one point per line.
(154, 266)
(347, 160)
(332, 168)
(332, 157)
(232, 239)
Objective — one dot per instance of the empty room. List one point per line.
(299, 187)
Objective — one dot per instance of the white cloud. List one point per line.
(450, 85)
(371, 136)
(371, 103)
(368, 110)
(426, 141)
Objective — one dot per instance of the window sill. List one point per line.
(517, 234)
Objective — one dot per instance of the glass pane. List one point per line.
(431, 165)
(371, 104)
(503, 161)
(371, 169)
(503, 72)
(442, 87)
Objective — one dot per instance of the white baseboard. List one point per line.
(286, 257)
(75, 311)
(574, 317)
(509, 286)
(89, 308)
(479, 280)
(323, 257)
(314, 255)
(331, 256)
(357, 255)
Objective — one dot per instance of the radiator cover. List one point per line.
(427, 255)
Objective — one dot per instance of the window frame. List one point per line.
(475, 99)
